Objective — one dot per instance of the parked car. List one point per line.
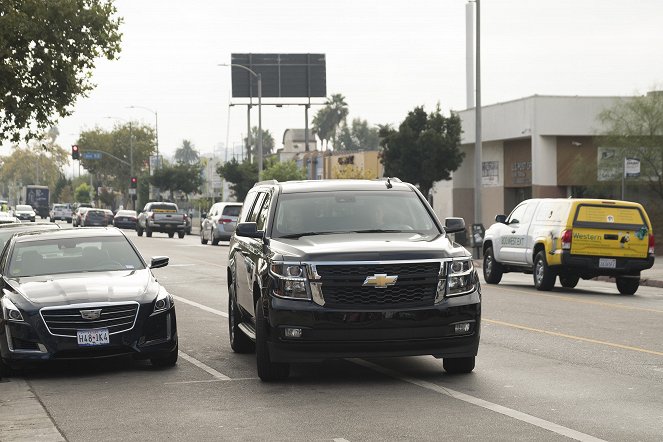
(25, 212)
(123, 310)
(315, 272)
(572, 239)
(161, 217)
(125, 219)
(61, 212)
(78, 215)
(219, 224)
(94, 217)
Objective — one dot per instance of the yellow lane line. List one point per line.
(577, 338)
(572, 299)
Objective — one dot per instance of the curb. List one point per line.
(648, 282)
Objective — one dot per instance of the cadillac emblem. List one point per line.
(380, 281)
(91, 314)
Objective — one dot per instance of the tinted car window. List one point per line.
(232, 210)
(248, 205)
(256, 208)
(261, 220)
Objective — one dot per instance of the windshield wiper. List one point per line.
(299, 235)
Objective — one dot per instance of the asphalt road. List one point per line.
(584, 364)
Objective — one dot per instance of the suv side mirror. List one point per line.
(500, 219)
(453, 225)
(249, 230)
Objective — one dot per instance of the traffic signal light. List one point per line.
(134, 182)
(75, 154)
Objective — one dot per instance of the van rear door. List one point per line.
(610, 229)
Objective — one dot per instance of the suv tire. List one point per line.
(267, 370)
(568, 281)
(202, 238)
(544, 276)
(627, 286)
(458, 365)
(239, 342)
(492, 270)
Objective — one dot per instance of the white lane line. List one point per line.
(515, 414)
(340, 439)
(200, 306)
(180, 265)
(208, 381)
(204, 367)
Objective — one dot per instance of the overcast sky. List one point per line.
(385, 57)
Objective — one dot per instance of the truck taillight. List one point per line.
(567, 235)
(651, 244)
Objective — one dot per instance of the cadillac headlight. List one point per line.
(290, 281)
(164, 301)
(10, 312)
(460, 277)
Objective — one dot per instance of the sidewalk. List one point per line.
(651, 277)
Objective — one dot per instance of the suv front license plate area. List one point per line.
(90, 338)
(607, 263)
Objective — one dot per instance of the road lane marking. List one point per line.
(515, 414)
(577, 338)
(340, 439)
(210, 381)
(180, 265)
(200, 306)
(579, 301)
(204, 367)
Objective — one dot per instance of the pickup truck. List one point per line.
(161, 217)
(61, 212)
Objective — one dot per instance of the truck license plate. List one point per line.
(88, 338)
(607, 263)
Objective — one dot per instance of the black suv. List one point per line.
(349, 268)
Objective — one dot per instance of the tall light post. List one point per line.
(259, 78)
(131, 154)
(156, 128)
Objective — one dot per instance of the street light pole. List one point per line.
(259, 78)
(156, 128)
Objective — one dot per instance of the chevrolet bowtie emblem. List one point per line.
(91, 314)
(380, 281)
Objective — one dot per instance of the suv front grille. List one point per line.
(342, 285)
(67, 321)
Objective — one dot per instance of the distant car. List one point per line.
(94, 218)
(25, 212)
(78, 215)
(125, 219)
(109, 216)
(84, 293)
(8, 218)
(9, 229)
(220, 222)
(61, 212)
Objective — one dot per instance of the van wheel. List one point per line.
(267, 370)
(203, 240)
(215, 241)
(492, 270)
(544, 276)
(569, 281)
(458, 365)
(627, 286)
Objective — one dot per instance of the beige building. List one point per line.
(294, 143)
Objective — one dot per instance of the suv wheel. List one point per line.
(544, 276)
(458, 365)
(239, 342)
(627, 286)
(569, 281)
(492, 270)
(267, 370)
(215, 241)
(203, 240)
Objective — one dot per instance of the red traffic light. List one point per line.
(75, 154)
(134, 182)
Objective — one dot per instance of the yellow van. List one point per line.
(572, 239)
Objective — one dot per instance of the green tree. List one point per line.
(328, 120)
(634, 126)
(187, 154)
(322, 126)
(82, 194)
(359, 136)
(425, 148)
(38, 163)
(284, 171)
(241, 176)
(267, 143)
(49, 50)
(185, 178)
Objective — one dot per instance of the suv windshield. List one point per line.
(356, 211)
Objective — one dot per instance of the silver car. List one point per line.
(219, 223)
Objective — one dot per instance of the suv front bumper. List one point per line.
(337, 333)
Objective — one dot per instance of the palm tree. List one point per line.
(267, 143)
(329, 119)
(187, 154)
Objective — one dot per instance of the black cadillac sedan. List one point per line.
(79, 294)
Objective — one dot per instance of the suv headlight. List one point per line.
(290, 281)
(164, 301)
(460, 277)
(10, 312)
